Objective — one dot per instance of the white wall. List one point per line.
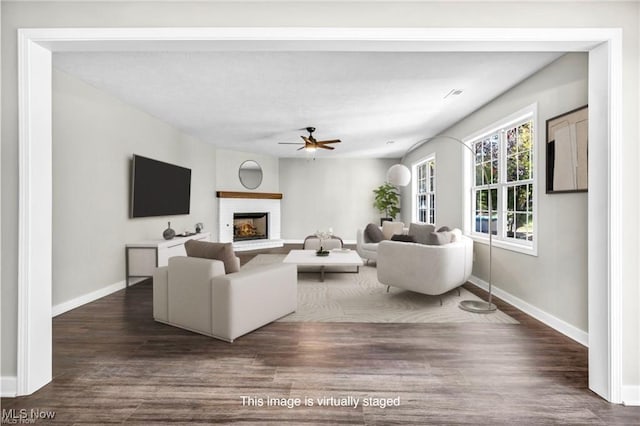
(555, 281)
(227, 166)
(329, 193)
(344, 14)
(94, 137)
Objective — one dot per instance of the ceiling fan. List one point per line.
(310, 143)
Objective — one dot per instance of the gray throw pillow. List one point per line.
(218, 251)
(443, 228)
(439, 238)
(373, 234)
(420, 232)
(402, 238)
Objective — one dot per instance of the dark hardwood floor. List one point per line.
(114, 364)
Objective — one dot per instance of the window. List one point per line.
(424, 191)
(503, 182)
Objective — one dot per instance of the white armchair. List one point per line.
(426, 269)
(195, 294)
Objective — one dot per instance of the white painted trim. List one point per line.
(34, 350)
(8, 386)
(556, 323)
(63, 307)
(32, 279)
(615, 218)
(631, 395)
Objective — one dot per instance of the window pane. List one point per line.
(432, 201)
(432, 216)
(512, 168)
(510, 224)
(530, 197)
(522, 197)
(494, 200)
(431, 184)
(481, 200)
(495, 146)
(511, 141)
(524, 165)
(510, 198)
(486, 150)
(524, 137)
(487, 173)
(478, 149)
(521, 226)
(422, 216)
(494, 172)
(479, 175)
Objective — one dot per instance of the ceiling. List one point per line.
(250, 101)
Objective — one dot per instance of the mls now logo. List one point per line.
(24, 416)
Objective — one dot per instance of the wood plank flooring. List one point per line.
(114, 365)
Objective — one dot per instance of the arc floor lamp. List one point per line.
(400, 175)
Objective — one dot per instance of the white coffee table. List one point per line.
(335, 258)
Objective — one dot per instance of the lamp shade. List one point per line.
(399, 175)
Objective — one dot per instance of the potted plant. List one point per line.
(387, 201)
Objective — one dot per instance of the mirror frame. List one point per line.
(240, 174)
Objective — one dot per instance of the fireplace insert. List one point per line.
(250, 226)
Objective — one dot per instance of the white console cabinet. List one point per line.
(144, 257)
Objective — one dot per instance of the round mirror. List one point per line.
(250, 174)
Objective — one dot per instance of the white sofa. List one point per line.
(426, 269)
(196, 294)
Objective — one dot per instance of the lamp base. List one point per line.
(477, 306)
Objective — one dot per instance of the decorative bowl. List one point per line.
(322, 253)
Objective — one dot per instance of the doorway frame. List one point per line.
(35, 48)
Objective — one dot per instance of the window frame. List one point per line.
(414, 188)
(500, 126)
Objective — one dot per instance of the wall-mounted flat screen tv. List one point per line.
(159, 188)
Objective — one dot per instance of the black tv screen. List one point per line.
(159, 188)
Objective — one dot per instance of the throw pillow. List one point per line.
(218, 251)
(439, 238)
(403, 238)
(456, 235)
(443, 229)
(420, 232)
(373, 234)
(391, 228)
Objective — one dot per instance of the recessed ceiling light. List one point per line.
(453, 92)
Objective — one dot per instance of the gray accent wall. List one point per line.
(329, 193)
(94, 137)
(555, 280)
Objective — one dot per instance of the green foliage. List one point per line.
(387, 200)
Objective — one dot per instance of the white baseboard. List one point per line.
(631, 395)
(8, 386)
(63, 307)
(562, 326)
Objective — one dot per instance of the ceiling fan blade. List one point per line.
(331, 141)
(306, 139)
(302, 147)
(290, 143)
(325, 147)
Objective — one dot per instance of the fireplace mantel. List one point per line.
(252, 195)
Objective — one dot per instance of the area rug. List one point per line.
(359, 297)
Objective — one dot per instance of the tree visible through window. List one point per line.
(425, 191)
(504, 168)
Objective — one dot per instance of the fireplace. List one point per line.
(250, 226)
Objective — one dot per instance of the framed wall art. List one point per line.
(567, 146)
